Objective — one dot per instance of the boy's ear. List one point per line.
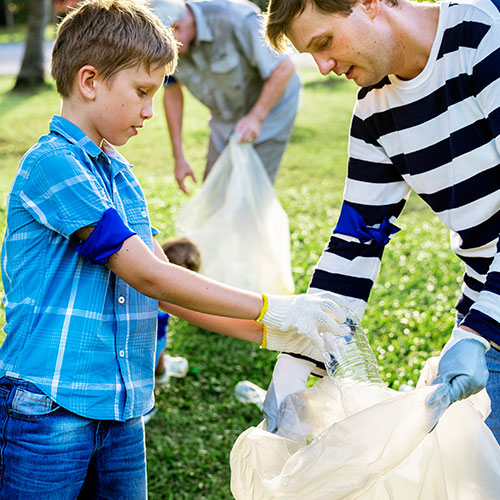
(86, 81)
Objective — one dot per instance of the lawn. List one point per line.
(408, 317)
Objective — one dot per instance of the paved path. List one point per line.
(11, 57)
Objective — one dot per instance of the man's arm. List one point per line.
(173, 104)
(374, 194)
(273, 89)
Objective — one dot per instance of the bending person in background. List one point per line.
(427, 118)
(226, 64)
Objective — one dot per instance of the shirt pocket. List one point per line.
(229, 86)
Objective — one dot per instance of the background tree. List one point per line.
(32, 70)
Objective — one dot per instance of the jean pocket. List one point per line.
(30, 404)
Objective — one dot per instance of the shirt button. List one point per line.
(144, 214)
(122, 353)
(121, 299)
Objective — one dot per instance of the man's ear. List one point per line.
(371, 7)
(86, 81)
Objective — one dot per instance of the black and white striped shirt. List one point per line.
(439, 135)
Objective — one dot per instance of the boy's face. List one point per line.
(123, 103)
(345, 45)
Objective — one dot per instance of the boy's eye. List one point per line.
(141, 92)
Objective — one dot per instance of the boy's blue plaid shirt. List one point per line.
(75, 329)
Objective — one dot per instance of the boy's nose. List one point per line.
(147, 111)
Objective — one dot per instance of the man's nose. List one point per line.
(325, 64)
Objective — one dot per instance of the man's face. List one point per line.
(349, 45)
(183, 34)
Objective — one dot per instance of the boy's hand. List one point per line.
(276, 340)
(306, 314)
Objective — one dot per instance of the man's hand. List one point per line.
(248, 128)
(306, 314)
(462, 366)
(183, 170)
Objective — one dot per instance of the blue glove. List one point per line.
(462, 366)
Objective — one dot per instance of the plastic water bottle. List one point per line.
(348, 354)
(352, 365)
(248, 392)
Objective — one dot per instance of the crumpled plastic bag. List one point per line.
(365, 441)
(239, 225)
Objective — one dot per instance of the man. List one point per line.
(225, 63)
(427, 118)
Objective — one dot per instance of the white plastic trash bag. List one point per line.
(381, 452)
(238, 224)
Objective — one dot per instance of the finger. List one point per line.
(335, 310)
(191, 174)
(440, 397)
(328, 324)
(182, 186)
(315, 338)
(335, 297)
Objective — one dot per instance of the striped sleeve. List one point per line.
(484, 314)
(376, 191)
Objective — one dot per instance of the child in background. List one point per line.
(84, 275)
(182, 252)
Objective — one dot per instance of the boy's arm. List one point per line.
(141, 269)
(284, 316)
(239, 328)
(242, 329)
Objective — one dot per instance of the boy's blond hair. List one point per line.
(182, 252)
(110, 35)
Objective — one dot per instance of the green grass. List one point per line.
(409, 313)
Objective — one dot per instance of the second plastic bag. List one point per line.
(238, 224)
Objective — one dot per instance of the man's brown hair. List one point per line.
(280, 13)
(182, 252)
(110, 35)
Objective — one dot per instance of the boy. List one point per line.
(83, 275)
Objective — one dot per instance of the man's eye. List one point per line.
(324, 44)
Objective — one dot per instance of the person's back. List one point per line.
(250, 90)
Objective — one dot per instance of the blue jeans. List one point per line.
(493, 390)
(47, 452)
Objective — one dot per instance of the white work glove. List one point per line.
(306, 314)
(275, 340)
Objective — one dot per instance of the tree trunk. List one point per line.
(32, 71)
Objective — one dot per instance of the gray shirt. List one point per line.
(228, 63)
